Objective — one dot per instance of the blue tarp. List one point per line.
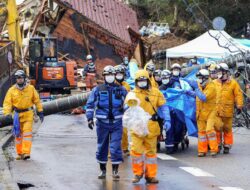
(16, 131)
(244, 42)
(177, 99)
(133, 68)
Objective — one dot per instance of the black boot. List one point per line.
(115, 172)
(226, 150)
(102, 174)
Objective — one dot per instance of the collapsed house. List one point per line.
(106, 29)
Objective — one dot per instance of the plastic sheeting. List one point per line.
(135, 118)
(133, 68)
(177, 99)
(16, 131)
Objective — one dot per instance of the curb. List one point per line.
(6, 180)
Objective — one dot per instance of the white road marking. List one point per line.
(196, 172)
(165, 157)
(230, 188)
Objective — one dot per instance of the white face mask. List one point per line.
(219, 75)
(142, 84)
(165, 81)
(199, 81)
(176, 73)
(119, 76)
(110, 79)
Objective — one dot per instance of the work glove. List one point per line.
(238, 111)
(91, 124)
(41, 116)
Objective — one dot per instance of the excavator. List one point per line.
(46, 73)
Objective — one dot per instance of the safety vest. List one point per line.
(110, 102)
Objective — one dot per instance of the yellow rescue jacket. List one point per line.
(125, 85)
(22, 99)
(157, 100)
(207, 109)
(228, 94)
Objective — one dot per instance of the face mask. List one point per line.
(199, 81)
(220, 75)
(119, 76)
(142, 84)
(110, 79)
(157, 78)
(165, 81)
(213, 76)
(176, 73)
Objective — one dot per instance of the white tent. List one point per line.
(206, 45)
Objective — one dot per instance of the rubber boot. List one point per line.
(226, 150)
(170, 150)
(102, 174)
(201, 154)
(151, 180)
(136, 179)
(115, 172)
(19, 157)
(26, 156)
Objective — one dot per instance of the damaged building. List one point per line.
(106, 29)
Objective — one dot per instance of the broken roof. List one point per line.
(111, 15)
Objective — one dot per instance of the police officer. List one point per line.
(150, 68)
(157, 77)
(20, 99)
(106, 103)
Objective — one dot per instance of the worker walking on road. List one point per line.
(18, 103)
(120, 77)
(152, 101)
(106, 103)
(89, 72)
(205, 93)
(228, 94)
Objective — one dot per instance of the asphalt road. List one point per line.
(63, 157)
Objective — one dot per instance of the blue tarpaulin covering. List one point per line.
(16, 131)
(244, 42)
(177, 99)
(133, 68)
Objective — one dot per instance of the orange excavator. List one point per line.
(48, 74)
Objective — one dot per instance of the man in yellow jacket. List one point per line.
(205, 93)
(228, 94)
(120, 77)
(20, 99)
(152, 101)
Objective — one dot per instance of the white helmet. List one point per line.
(203, 73)
(223, 67)
(176, 65)
(89, 57)
(165, 74)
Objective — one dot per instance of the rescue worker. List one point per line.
(152, 101)
(20, 99)
(170, 138)
(178, 126)
(176, 74)
(89, 73)
(150, 68)
(228, 94)
(213, 69)
(125, 64)
(106, 103)
(205, 93)
(157, 77)
(120, 77)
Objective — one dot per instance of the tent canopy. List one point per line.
(206, 45)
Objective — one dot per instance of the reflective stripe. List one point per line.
(27, 134)
(212, 138)
(18, 142)
(27, 139)
(151, 160)
(170, 145)
(137, 159)
(118, 116)
(101, 162)
(116, 162)
(101, 116)
(203, 138)
(90, 110)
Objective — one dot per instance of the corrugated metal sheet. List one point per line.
(111, 15)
